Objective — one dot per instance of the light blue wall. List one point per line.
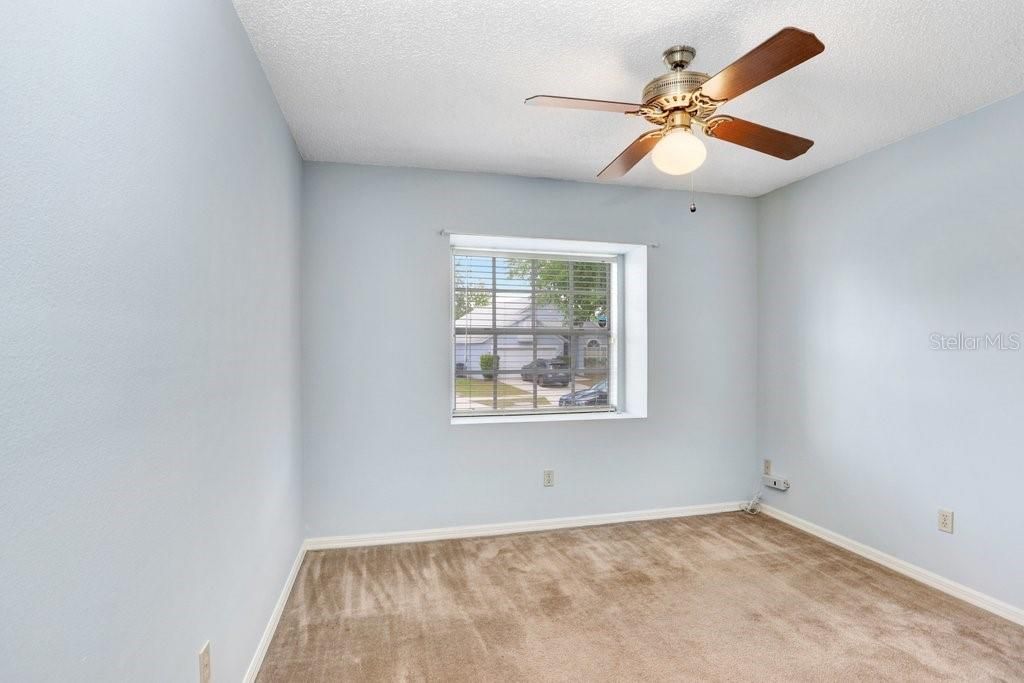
(379, 453)
(149, 475)
(857, 267)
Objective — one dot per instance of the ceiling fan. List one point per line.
(678, 99)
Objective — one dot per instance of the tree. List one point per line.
(590, 280)
(466, 300)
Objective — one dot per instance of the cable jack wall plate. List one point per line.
(775, 482)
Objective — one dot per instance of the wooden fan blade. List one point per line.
(631, 156)
(759, 138)
(579, 103)
(778, 54)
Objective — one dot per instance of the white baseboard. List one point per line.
(268, 632)
(329, 542)
(957, 590)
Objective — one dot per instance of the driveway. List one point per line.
(525, 400)
(552, 394)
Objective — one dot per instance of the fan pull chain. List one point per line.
(693, 204)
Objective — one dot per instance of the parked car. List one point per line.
(546, 372)
(596, 395)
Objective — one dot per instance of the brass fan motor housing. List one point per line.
(676, 91)
(672, 90)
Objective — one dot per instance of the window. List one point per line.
(538, 333)
(531, 332)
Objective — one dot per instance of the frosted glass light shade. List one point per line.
(679, 152)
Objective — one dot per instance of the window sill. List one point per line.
(554, 417)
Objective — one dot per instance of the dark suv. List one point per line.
(546, 372)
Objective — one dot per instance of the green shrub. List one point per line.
(489, 365)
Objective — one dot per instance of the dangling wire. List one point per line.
(753, 506)
(693, 204)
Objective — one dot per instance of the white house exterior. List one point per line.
(515, 351)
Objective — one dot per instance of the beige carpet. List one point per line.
(719, 597)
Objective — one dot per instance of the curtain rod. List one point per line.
(446, 233)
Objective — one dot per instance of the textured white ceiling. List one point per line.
(441, 83)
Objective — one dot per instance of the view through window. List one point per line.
(531, 333)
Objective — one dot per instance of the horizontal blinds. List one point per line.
(532, 332)
(583, 258)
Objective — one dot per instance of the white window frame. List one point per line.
(627, 345)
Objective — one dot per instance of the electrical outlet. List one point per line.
(766, 468)
(204, 663)
(946, 521)
(549, 477)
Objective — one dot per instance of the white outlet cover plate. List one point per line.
(946, 521)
